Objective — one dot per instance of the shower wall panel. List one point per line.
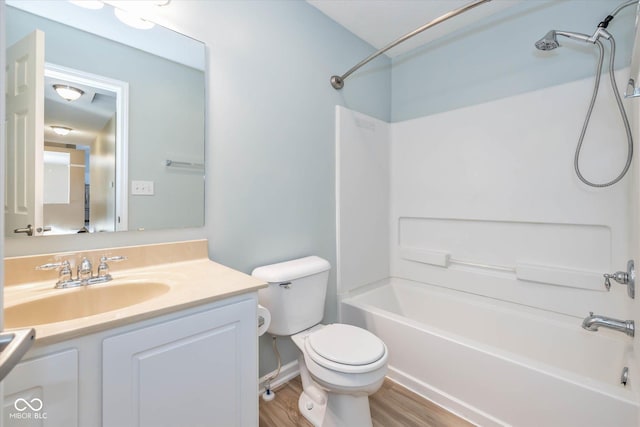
(362, 199)
(485, 199)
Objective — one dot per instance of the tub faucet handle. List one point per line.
(627, 278)
(618, 276)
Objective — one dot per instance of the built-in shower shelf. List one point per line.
(552, 275)
(560, 276)
(524, 252)
(426, 256)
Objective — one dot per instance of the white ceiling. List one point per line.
(380, 22)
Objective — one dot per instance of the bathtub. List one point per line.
(496, 363)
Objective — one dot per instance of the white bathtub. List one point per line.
(496, 363)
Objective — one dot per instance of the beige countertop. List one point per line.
(187, 276)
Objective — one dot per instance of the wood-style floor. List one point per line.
(392, 406)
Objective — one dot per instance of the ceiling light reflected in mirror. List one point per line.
(61, 130)
(69, 93)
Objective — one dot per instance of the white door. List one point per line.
(25, 136)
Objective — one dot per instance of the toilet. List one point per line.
(340, 365)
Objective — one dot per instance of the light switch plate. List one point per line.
(142, 188)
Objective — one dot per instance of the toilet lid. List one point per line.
(347, 345)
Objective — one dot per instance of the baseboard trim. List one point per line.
(287, 372)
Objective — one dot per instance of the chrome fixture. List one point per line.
(624, 278)
(624, 376)
(85, 270)
(103, 268)
(550, 42)
(84, 276)
(593, 321)
(338, 81)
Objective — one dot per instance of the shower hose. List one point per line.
(623, 114)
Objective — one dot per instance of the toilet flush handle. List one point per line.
(286, 285)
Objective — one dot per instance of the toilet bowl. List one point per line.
(340, 366)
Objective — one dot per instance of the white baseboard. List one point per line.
(287, 372)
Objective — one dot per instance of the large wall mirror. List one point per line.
(105, 123)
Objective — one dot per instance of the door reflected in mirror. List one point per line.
(83, 117)
(132, 114)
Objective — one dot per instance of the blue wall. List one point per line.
(496, 57)
(270, 154)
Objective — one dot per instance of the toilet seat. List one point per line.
(346, 348)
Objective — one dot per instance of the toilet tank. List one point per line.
(296, 293)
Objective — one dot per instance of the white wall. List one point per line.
(493, 187)
(362, 199)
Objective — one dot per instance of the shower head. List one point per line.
(548, 42)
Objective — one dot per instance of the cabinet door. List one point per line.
(199, 370)
(43, 392)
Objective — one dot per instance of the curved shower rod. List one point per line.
(338, 81)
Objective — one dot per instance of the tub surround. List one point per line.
(511, 365)
(493, 209)
(184, 267)
(483, 202)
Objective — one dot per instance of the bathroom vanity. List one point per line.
(185, 357)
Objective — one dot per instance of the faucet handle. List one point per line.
(113, 258)
(103, 268)
(53, 265)
(627, 278)
(64, 272)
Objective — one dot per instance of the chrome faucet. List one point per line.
(593, 321)
(84, 272)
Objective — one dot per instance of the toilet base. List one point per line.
(324, 409)
(341, 410)
(311, 410)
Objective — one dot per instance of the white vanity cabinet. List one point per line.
(191, 371)
(43, 391)
(193, 367)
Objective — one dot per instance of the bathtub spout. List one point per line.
(593, 321)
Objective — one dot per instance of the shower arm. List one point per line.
(338, 81)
